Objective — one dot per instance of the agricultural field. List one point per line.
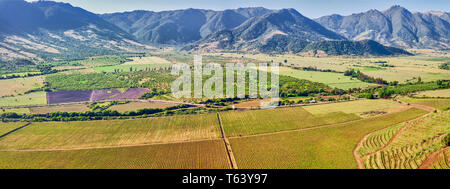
(191, 155)
(440, 104)
(442, 160)
(7, 127)
(59, 108)
(335, 80)
(405, 68)
(92, 81)
(132, 106)
(36, 98)
(131, 67)
(147, 60)
(70, 135)
(242, 123)
(19, 86)
(15, 110)
(327, 147)
(444, 93)
(409, 148)
(357, 107)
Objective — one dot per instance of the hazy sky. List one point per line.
(310, 8)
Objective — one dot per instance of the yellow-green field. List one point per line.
(327, 147)
(19, 85)
(335, 80)
(61, 108)
(405, 67)
(16, 110)
(6, 127)
(191, 155)
(36, 98)
(56, 135)
(132, 106)
(436, 93)
(243, 123)
(440, 104)
(358, 106)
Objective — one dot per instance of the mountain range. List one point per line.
(49, 30)
(395, 26)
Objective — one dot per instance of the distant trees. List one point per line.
(365, 78)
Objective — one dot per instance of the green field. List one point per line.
(244, 123)
(58, 135)
(322, 148)
(335, 80)
(191, 155)
(444, 93)
(19, 86)
(36, 98)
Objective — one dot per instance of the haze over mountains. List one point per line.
(45, 30)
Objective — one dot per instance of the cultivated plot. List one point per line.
(242, 123)
(192, 155)
(322, 148)
(69, 135)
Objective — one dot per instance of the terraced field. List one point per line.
(410, 147)
(327, 147)
(191, 155)
(244, 123)
(443, 160)
(72, 135)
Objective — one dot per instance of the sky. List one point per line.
(310, 8)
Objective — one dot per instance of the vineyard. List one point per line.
(267, 121)
(190, 155)
(413, 143)
(63, 135)
(312, 148)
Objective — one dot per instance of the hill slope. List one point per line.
(45, 29)
(283, 28)
(180, 26)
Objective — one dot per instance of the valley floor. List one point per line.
(304, 139)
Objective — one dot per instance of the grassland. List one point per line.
(19, 85)
(61, 108)
(68, 135)
(413, 145)
(335, 80)
(6, 127)
(327, 147)
(405, 68)
(436, 93)
(36, 98)
(191, 155)
(244, 123)
(130, 67)
(359, 106)
(132, 106)
(16, 110)
(441, 104)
